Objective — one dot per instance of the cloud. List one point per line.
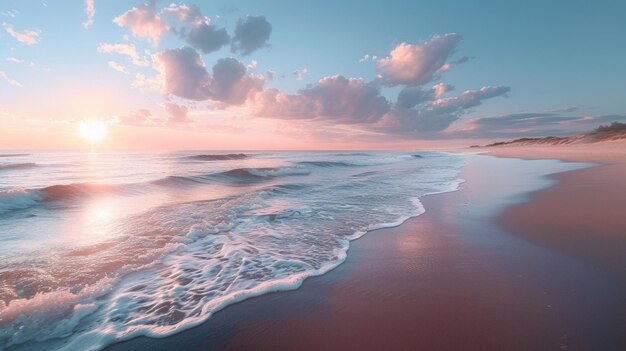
(410, 96)
(434, 115)
(410, 64)
(202, 34)
(144, 22)
(13, 82)
(271, 74)
(563, 109)
(177, 113)
(533, 124)
(118, 67)
(14, 60)
(231, 84)
(207, 37)
(368, 57)
(185, 13)
(10, 13)
(342, 100)
(441, 88)
(124, 49)
(251, 34)
(140, 117)
(90, 11)
(28, 37)
(300, 73)
(146, 83)
(184, 75)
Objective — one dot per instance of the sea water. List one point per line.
(96, 248)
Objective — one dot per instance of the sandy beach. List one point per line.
(586, 209)
(498, 265)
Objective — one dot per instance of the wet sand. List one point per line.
(585, 214)
(455, 278)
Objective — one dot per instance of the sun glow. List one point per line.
(92, 131)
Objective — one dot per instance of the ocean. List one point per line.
(101, 247)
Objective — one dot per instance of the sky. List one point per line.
(246, 74)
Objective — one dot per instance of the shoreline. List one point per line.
(412, 285)
(586, 207)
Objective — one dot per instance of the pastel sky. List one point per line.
(306, 75)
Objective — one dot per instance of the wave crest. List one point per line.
(217, 157)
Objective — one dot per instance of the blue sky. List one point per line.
(562, 58)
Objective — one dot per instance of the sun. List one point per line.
(92, 131)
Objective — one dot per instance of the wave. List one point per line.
(21, 198)
(217, 157)
(360, 162)
(171, 267)
(233, 176)
(13, 155)
(350, 154)
(256, 174)
(6, 166)
(327, 164)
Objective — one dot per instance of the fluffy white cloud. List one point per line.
(410, 64)
(143, 21)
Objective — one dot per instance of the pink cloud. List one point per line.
(343, 100)
(141, 117)
(90, 10)
(185, 13)
(418, 64)
(13, 82)
(28, 37)
(273, 103)
(177, 113)
(124, 49)
(184, 74)
(441, 88)
(143, 21)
